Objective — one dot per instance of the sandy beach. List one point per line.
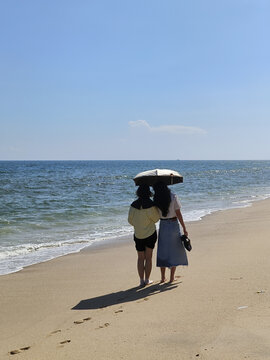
(88, 305)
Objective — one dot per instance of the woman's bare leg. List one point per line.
(140, 265)
(148, 263)
(172, 273)
(162, 270)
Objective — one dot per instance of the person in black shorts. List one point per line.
(142, 216)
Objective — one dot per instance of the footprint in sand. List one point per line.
(103, 326)
(65, 342)
(118, 311)
(77, 322)
(55, 332)
(14, 352)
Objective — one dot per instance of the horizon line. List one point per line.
(6, 160)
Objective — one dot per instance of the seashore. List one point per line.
(88, 305)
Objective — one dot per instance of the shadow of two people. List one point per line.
(119, 297)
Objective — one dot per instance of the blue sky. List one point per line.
(126, 79)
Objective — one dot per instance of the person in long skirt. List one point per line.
(142, 216)
(170, 252)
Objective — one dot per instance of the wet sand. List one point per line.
(89, 306)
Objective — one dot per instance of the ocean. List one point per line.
(52, 208)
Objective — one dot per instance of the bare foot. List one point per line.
(162, 281)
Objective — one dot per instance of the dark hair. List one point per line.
(143, 192)
(162, 197)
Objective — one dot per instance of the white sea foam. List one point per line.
(16, 257)
(196, 215)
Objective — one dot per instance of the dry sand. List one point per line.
(88, 305)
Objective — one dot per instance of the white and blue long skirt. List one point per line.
(170, 251)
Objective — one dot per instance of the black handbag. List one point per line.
(186, 242)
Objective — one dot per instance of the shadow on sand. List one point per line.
(120, 297)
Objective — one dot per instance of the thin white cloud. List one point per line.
(169, 129)
(140, 123)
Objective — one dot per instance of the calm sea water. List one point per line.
(48, 209)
